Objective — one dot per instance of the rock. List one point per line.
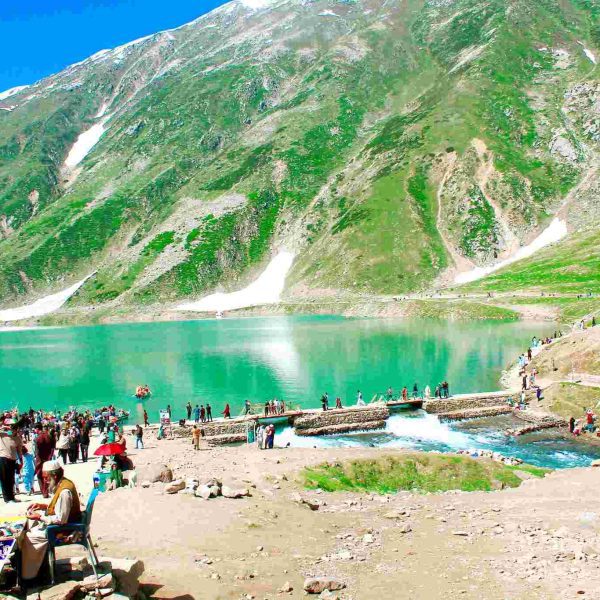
(368, 538)
(229, 492)
(175, 486)
(214, 491)
(596, 463)
(90, 583)
(146, 483)
(406, 528)
(562, 147)
(460, 533)
(285, 588)
(156, 473)
(395, 514)
(127, 572)
(77, 563)
(62, 591)
(327, 595)
(316, 585)
(312, 504)
(203, 492)
(212, 482)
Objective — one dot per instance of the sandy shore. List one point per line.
(539, 541)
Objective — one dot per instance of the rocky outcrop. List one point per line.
(475, 413)
(342, 421)
(537, 420)
(466, 401)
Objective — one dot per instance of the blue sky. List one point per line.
(41, 37)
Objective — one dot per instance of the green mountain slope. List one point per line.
(388, 144)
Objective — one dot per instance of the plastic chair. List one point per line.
(73, 533)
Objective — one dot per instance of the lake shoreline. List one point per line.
(453, 308)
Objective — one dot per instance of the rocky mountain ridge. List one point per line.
(389, 145)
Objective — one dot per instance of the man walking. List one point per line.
(139, 434)
(10, 452)
(44, 449)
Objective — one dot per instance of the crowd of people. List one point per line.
(584, 425)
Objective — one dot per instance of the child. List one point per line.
(27, 473)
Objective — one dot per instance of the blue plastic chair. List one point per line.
(73, 533)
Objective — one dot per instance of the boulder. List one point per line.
(175, 486)
(230, 492)
(286, 588)
(203, 492)
(90, 583)
(127, 573)
(212, 482)
(63, 591)
(316, 585)
(156, 473)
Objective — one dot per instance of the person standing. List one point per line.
(63, 444)
(270, 436)
(208, 412)
(169, 411)
(188, 409)
(44, 449)
(227, 412)
(145, 419)
(267, 408)
(415, 392)
(203, 414)
(196, 437)
(359, 399)
(247, 407)
(10, 452)
(27, 473)
(196, 413)
(139, 434)
(338, 402)
(84, 442)
(404, 394)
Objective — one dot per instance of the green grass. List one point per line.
(571, 266)
(570, 399)
(417, 472)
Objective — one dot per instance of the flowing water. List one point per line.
(294, 358)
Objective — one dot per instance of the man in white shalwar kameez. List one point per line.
(63, 508)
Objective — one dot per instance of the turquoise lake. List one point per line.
(294, 358)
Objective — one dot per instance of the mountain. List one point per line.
(389, 144)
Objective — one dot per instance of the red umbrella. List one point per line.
(109, 449)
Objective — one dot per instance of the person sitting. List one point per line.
(115, 479)
(63, 508)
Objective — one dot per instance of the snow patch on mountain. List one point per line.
(256, 3)
(12, 91)
(553, 233)
(85, 142)
(267, 289)
(588, 53)
(43, 306)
